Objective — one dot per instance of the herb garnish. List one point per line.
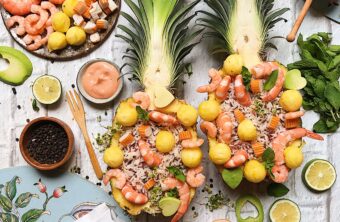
(217, 201)
(246, 76)
(178, 173)
(320, 66)
(268, 158)
(104, 140)
(35, 106)
(270, 82)
(277, 190)
(173, 193)
(142, 114)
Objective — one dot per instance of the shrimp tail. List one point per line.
(313, 135)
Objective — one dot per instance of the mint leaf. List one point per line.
(142, 114)
(277, 190)
(270, 83)
(332, 95)
(177, 173)
(173, 193)
(246, 76)
(232, 177)
(268, 155)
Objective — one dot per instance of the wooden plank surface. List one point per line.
(16, 110)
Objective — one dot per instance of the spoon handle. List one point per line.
(292, 35)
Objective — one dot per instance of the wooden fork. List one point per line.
(78, 112)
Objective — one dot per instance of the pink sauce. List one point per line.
(100, 80)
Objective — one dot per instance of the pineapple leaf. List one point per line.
(241, 26)
(159, 38)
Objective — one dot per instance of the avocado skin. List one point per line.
(254, 201)
(19, 69)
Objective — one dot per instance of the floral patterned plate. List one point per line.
(27, 195)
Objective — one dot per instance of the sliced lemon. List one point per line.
(47, 89)
(284, 210)
(318, 175)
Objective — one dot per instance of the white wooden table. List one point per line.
(16, 110)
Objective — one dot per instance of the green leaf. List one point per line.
(142, 114)
(332, 95)
(35, 106)
(232, 177)
(11, 187)
(5, 203)
(173, 193)
(177, 173)
(277, 190)
(32, 215)
(268, 155)
(246, 75)
(8, 217)
(270, 82)
(24, 199)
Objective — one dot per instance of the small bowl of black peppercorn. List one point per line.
(46, 143)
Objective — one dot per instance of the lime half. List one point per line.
(169, 205)
(284, 210)
(318, 175)
(47, 89)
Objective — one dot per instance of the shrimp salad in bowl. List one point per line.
(53, 25)
(154, 158)
(252, 122)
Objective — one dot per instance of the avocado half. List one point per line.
(19, 69)
(130, 208)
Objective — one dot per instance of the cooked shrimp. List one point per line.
(151, 158)
(133, 196)
(275, 91)
(195, 178)
(209, 127)
(225, 127)
(142, 99)
(29, 24)
(192, 143)
(51, 8)
(281, 141)
(36, 43)
(162, 118)
(280, 173)
(57, 2)
(184, 195)
(37, 39)
(242, 96)
(223, 88)
(19, 7)
(264, 69)
(215, 81)
(294, 115)
(118, 175)
(43, 16)
(17, 20)
(239, 158)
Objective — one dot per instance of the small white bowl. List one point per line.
(85, 94)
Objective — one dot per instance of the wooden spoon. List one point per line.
(292, 35)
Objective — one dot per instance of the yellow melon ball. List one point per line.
(165, 141)
(76, 36)
(60, 22)
(246, 130)
(232, 66)
(291, 100)
(209, 110)
(254, 171)
(293, 157)
(191, 157)
(219, 153)
(114, 157)
(187, 115)
(126, 114)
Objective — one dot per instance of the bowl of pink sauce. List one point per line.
(99, 81)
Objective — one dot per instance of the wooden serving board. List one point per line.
(70, 52)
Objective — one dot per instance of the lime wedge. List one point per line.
(169, 205)
(318, 175)
(284, 210)
(47, 89)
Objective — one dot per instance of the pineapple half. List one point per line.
(241, 27)
(159, 39)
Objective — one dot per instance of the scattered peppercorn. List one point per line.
(48, 143)
(19, 107)
(73, 86)
(14, 91)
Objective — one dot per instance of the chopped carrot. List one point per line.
(88, 2)
(144, 130)
(258, 149)
(126, 139)
(149, 184)
(102, 24)
(185, 135)
(87, 14)
(292, 123)
(239, 115)
(255, 85)
(274, 122)
(80, 8)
